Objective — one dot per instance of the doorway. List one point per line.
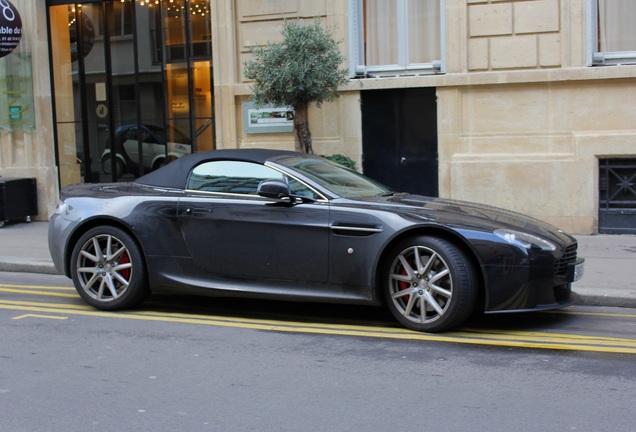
(399, 139)
(132, 84)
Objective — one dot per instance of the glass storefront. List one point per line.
(132, 85)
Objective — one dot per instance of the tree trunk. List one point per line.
(302, 135)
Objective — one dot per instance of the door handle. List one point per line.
(197, 211)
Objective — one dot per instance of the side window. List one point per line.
(231, 177)
(299, 189)
(611, 33)
(148, 137)
(393, 37)
(131, 134)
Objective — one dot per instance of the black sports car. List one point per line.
(278, 224)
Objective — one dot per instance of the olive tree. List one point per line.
(303, 68)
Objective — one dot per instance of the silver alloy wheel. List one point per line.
(104, 268)
(420, 284)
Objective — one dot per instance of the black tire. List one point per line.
(429, 284)
(107, 169)
(108, 269)
(159, 164)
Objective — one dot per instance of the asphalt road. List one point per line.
(183, 363)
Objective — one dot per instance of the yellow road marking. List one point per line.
(39, 316)
(44, 287)
(35, 292)
(518, 339)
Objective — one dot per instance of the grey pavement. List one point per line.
(609, 278)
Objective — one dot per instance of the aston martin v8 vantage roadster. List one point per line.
(283, 225)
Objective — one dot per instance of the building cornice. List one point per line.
(480, 78)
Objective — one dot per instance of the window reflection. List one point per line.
(130, 65)
(176, 17)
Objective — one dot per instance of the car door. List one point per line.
(230, 231)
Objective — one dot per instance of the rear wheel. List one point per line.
(108, 269)
(430, 284)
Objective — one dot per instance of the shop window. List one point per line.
(611, 32)
(185, 20)
(396, 37)
(122, 19)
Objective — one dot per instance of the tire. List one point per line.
(430, 284)
(159, 163)
(107, 169)
(108, 269)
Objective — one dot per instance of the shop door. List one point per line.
(399, 139)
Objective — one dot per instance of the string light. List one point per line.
(173, 9)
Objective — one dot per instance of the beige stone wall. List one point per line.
(521, 120)
(335, 127)
(513, 34)
(31, 153)
(527, 122)
(534, 147)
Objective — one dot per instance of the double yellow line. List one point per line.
(504, 338)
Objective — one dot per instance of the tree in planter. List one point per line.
(303, 68)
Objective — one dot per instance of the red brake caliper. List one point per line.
(405, 285)
(125, 259)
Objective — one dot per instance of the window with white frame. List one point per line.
(611, 32)
(393, 37)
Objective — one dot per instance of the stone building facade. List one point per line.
(520, 103)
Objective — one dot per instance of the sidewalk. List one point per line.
(609, 278)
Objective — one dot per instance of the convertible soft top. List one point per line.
(175, 174)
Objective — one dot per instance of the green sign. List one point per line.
(16, 93)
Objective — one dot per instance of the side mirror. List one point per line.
(276, 189)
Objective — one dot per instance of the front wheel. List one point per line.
(108, 269)
(430, 284)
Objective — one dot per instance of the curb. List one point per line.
(25, 265)
(606, 300)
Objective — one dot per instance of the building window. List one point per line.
(611, 32)
(396, 37)
(121, 19)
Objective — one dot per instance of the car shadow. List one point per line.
(337, 314)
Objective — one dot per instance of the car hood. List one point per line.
(463, 215)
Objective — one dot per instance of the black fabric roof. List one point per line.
(175, 174)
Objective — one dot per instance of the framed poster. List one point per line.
(267, 119)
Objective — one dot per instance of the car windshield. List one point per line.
(336, 178)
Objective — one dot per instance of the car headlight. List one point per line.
(525, 240)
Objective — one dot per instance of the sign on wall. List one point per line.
(267, 119)
(10, 28)
(16, 93)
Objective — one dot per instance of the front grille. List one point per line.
(569, 257)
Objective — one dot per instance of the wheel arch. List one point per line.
(432, 231)
(118, 156)
(157, 161)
